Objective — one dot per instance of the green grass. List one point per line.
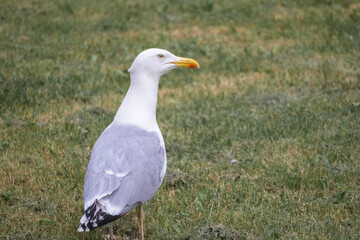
(278, 90)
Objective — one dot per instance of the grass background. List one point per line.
(278, 90)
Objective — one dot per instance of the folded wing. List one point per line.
(124, 169)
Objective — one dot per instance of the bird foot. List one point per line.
(113, 237)
(108, 237)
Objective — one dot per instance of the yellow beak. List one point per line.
(186, 62)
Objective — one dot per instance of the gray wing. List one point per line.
(124, 169)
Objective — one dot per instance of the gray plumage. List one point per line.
(128, 162)
(125, 169)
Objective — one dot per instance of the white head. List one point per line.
(157, 62)
(139, 105)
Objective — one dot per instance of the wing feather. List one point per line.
(124, 168)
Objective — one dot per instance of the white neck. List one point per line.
(139, 105)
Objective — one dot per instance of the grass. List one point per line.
(278, 91)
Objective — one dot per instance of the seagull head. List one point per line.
(157, 62)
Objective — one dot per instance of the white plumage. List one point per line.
(128, 162)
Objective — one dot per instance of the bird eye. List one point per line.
(161, 56)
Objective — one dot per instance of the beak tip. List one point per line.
(187, 62)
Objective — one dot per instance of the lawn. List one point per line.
(263, 142)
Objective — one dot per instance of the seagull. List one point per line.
(128, 161)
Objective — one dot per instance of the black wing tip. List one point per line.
(95, 216)
(83, 228)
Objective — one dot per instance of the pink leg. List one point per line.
(141, 218)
